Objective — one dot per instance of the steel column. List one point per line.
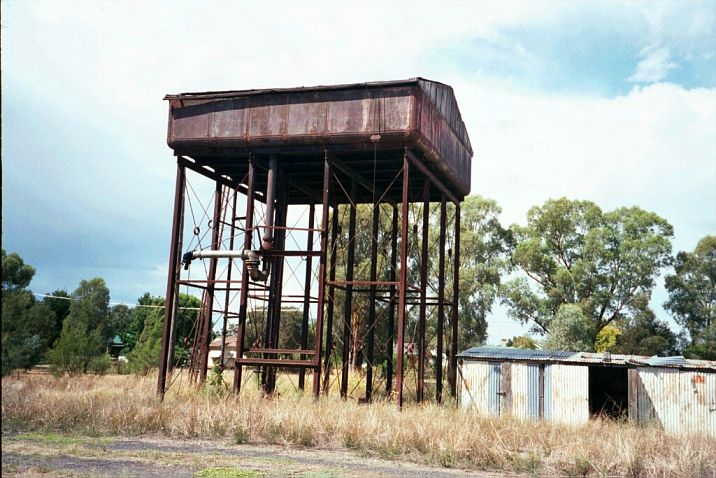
(244, 292)
(277, 272)
(348, 301)
(228, 281)
(307, 292)
(322, 279)
(391, 300)
(455, 296)
(172, 273)
(423, 292)
(211, 286)
(331, 300)
(441, 302)
(175, 303)
(371, 300)
(403, 276)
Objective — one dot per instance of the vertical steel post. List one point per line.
(455, 296)
(211, 285)
(228, 281)
(403, 281)
(391, 301)
(280, 244)
(175, 304)
(173, 271)
(322, 279)
(371, 300)
(348, 302)
(423, 292)
(441, 303)
(331, 300)
(244, 292)
(307, 291)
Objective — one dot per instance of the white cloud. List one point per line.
(655, 66)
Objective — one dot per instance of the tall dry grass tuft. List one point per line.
(442, 435)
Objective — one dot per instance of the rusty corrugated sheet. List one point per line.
(473, 385)
(680, 401)
(417, 113)
(584, 358)
(570, 393)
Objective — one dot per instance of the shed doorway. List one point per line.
(608, 392)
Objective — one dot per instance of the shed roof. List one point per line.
(583, 358)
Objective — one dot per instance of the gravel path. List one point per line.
(34, 455)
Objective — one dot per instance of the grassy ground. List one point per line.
(125, 406)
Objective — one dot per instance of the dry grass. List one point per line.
(442, 435)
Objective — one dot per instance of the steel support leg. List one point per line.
(331, 301)
(423, 292)
(455, 296)
(322, 279)
(371, 301)
(348, 302)
(210, 285)
(307, 292)
(244, 292)
(402, 286)
(172, 277)
(391, 301)
(228, 282)
(441, 303)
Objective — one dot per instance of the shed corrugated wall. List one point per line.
(681, 401)
(480, 386)
(525, 390)
(473, 384)
(570, 393)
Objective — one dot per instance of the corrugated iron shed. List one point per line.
(583, 358)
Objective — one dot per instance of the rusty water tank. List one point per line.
(357, 123)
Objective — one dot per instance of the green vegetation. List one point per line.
(692, 299)
(584, 269)
(82, 345)
(27, 325)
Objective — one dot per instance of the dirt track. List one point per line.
(50, 455)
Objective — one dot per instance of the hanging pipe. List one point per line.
(267, 241)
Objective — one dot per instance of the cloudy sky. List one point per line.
(611, 102)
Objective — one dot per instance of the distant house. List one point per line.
(570, 387)
(229, 352)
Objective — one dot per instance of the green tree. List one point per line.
(483, 248)
(522, 342)
(573, 253)
(27, 325)
(692, 297)
(59, 303)
(86, 331)
(145, 354)
(571, 330)
(643, 334)
(607, 339)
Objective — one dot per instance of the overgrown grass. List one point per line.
(441, 435)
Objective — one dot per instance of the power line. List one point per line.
(114, 303)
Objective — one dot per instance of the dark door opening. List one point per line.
(608, 392)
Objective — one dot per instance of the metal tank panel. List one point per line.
(418, 114)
